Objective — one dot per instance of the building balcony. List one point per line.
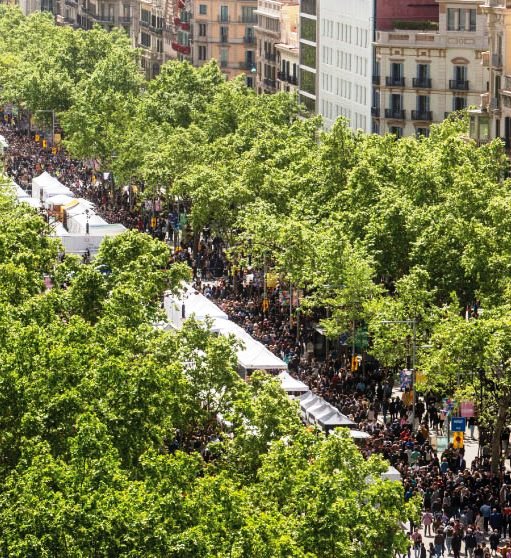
(125, 19)
(249, 40)
(395, 114)
(422, 83)
(375, 111)
(183, 49)
(422, 115)
(223, 19)
(105, 19)
(376, 80)
(271, 83)
(391, 81)
(185, 26)
(71, 3)
(496, 60)
(269, 56)
(458, 85)
(143, 23)
(282, 76)
(224, 39)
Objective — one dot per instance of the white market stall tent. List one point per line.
(45, 186)
(190, 303)
(252, 355)
(292, 385)
(315, 410)
(391, 474)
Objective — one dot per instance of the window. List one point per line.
(308, 29)
(145, 39)
(202, 30)
(145, 16)
(461, 19)
(159, 46)
(248, 15)
(203, 9)
(422, 103)
(396, 71)
(397, 131)
(224, 34)
(308, 7)
(308, 81)
(202, 52)
(460, 74)
(224, 57)
(224, 13)
(422, 72)
(396, 103)
(459, 103)
(422, 132)
(308, 55)
(308, 103)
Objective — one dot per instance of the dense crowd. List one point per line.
(465, 507)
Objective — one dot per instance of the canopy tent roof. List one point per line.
(290, 384)
(195, 304)
(32, 202)
(59, 199)
(316, 409)
(18, 191)
(45, 185)
(253, 355)
(359, 435)
(391, 474)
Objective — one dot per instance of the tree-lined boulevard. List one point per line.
(110, 442)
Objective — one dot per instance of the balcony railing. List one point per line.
(458, 84)
(422, 83)
(249, 40)
(143, 23)
(376, 80)
(392, 81)
(422, 115)
(496, 60)
(125, 19)
(289, 78)
(224, 38)
(105, 19)
(223, 19)
(157, 30)
(395, 114)
(71, 3)
(375, 111)
(270, 83)
(269, 56)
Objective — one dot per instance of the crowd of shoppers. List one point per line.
(465, 506)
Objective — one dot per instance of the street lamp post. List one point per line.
(413, 323)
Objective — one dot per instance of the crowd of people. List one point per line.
(465, 506)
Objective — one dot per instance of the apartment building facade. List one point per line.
(288, 53)
(224, 30)
(492, 119)
(272, 18)
(422, 76)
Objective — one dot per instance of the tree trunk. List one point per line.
(500, 422)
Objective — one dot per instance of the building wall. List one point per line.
(390, 11)
(410, 104)
(345, 60)
(287, 51)
(225, 30)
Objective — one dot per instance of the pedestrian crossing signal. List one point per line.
(457, 441)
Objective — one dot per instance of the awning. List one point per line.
(292, 385)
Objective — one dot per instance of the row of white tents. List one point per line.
(74, 220)
(253, 355)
